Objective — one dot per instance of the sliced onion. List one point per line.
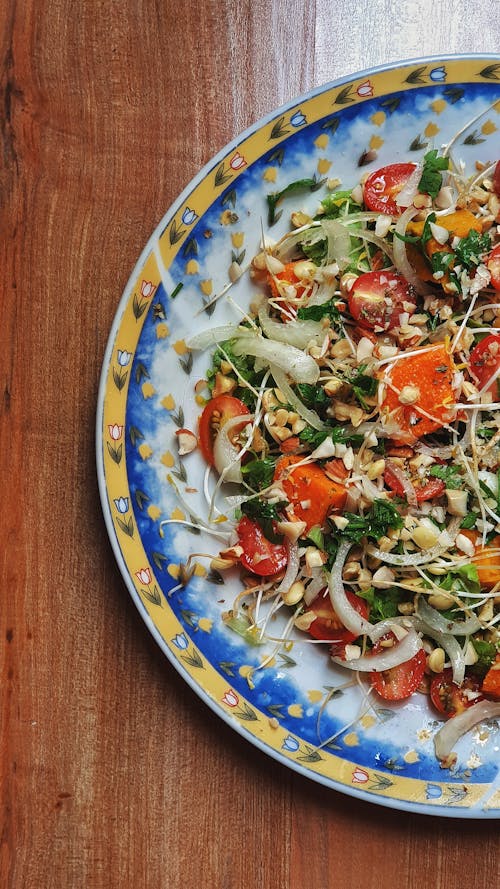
(407, 560)
(448, 643)
(213, 336)
(311, 417)
(410, 188)
(294, 333)
(399, 653)
(400, 258)
(339, 242)
(292, 567)
(447, 736)
(345, 612)
(301, 367)
(435, 619)
(226, 454)
(372, 238)
(404, 481)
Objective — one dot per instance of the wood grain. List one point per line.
(114, 774)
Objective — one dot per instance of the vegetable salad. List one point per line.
(352, 426)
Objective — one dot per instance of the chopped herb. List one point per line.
(265, 514)
(432, 321)
(382, 604)
(315, 535)
(259, 473)
(381, 516)
(313, 396)
(317, 313)
(486, 652)
(470, 250)
(408, 239)
(338, 434)
(338, 204)
(244, 364)
(363, 386)
(300, 185)
(450, 475)
(461, 580)
(469, 521)
(431, 178)
(485, 432)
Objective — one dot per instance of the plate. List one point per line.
(147, 393)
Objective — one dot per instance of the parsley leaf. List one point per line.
(469, 250)
(317, 313)
(259, 473)
(431, 178)
(312, 396)
(338, 434)
(450, 475)
(382, 605)
(300, 185)
(381, 516)
(264, 513)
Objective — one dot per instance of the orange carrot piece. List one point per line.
(459, 224)
(491, 682)
(486, 560)
(430, 371)
(312, 494)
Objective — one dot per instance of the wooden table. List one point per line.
(114, 774)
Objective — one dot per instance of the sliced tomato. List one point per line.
(259, 555)
(401, 681)
(215, 414)
(431, 487)
(485, 360)
(383, 186)
(450, 698)
(493, 265)
(327, 625)
(377, 300)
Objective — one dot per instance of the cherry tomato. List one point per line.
(401, 681)
(496, 179)
(485, 360)
(493, 265)
(383, 186)
(450, 698)
(215, 414)
(259, 555)
(432, 487)
(327, 625)
(377, 299)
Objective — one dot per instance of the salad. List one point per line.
(351, 431)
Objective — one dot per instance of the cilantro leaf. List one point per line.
(461, 580)
(486, 652)
(382, 605)
(300, 185)
(259, 473)
(431, 178)
(264, 513)
(450, 475)
(470, 250)
(381, 516)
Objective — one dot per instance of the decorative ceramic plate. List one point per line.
(147, 393)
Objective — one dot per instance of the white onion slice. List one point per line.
(407, 559)
(447, 736)
(294, 333)
(292, 567)
(226, 454)
(399, 247)
(435, 619)
(399, 653)
(301, 367)
(339, 242)
(345, 612)
(410, 188)
(448, 643)
(311, 417)
(212, 336)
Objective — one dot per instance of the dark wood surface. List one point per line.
(114, 774)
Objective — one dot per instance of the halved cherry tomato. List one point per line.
(431, 487)
(215, 414)
(450, 698)
(377, 300)
(327, 625)
(493, 265)
(383, 186)
(401, 681)
(259, 555)
(485, 360)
